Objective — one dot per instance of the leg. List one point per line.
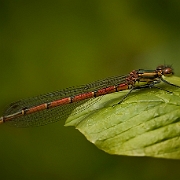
(169, 83)
(134, 88)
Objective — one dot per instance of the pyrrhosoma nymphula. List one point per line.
(51, 107)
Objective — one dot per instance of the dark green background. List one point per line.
(50, 45)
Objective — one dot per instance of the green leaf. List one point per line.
(146, 123)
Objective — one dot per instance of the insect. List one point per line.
(51, 107)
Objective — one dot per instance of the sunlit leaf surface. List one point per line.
(147, 123)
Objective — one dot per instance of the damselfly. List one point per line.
(51, 107)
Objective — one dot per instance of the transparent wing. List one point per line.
(60, 112)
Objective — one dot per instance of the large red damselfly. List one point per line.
(51, 107)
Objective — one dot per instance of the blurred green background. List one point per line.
(50, 45)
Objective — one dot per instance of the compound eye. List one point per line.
(160, 67)
(167, 71)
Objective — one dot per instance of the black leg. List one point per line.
(169, 83)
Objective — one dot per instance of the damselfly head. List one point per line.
(165, 70)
